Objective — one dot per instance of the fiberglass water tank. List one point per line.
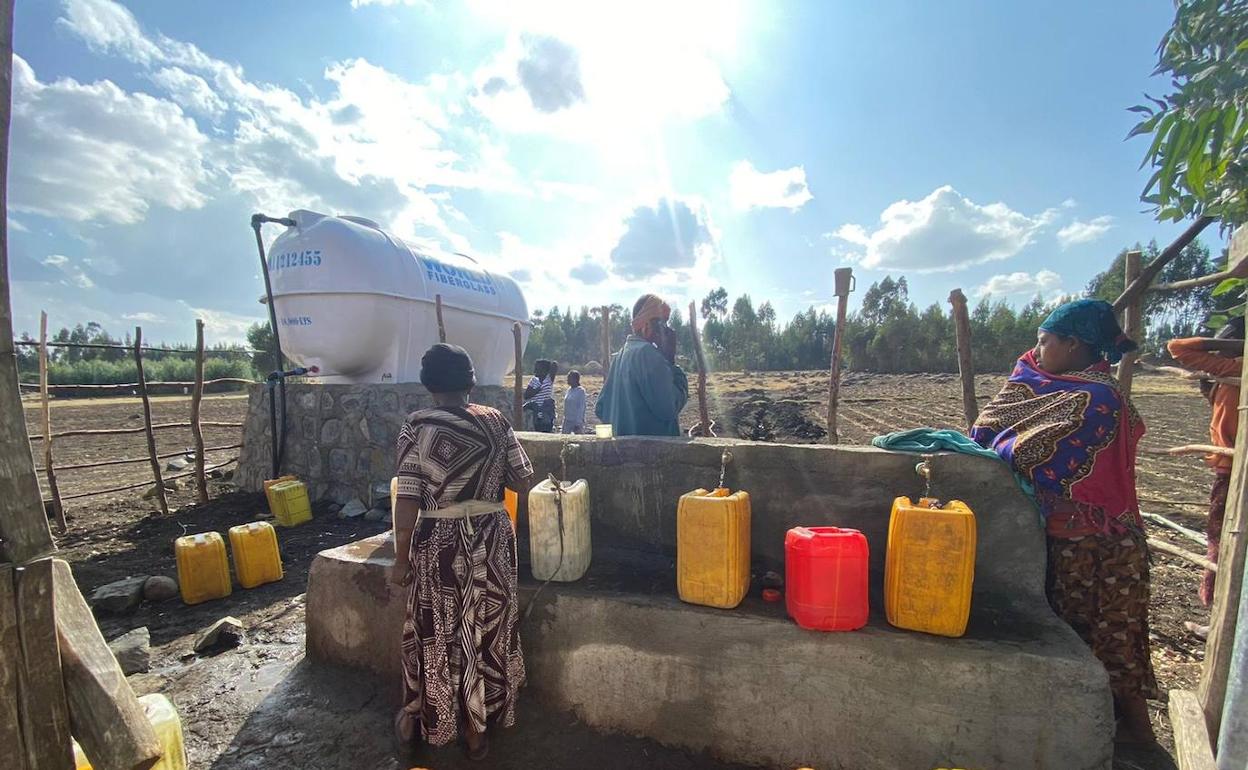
(358, 303)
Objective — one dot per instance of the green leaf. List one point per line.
(1227, 286)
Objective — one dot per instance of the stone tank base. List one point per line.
(1020, 690)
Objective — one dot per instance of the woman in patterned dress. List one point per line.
(1063, 424)
(462, 665)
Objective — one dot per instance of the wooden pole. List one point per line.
(197, 431)
(147, 421)
(45, 715)
(107, 718)
(1192, 746)
(966, 364)
(518, 392)
(843, 281)
(1132, 322)
(10, 669)
(58, 509)
(1140, 285)
(24, 531)
(704, 415)
(1231, 557)
(437, 307)
(605, 310)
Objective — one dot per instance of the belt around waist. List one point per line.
(463, 510)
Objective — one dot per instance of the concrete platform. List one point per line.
(750, 686)
(1020, 690)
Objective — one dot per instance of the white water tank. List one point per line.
(358, 303)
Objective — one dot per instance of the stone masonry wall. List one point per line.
(339, 438)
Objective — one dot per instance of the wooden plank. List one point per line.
(1192, 747)
(437, 308)
(843, 282)
(24, 531)
(1227, 588)
(44, 714)
(1132, 322)
(197, 431)
(10, 659)
(1191, 534)
(1149, 273)
(517, 408)
(147, 422)
(106, 717)
(966, 364)
(49, 468)
(703, 428)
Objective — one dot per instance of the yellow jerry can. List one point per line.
(713, 547)
(256, 557)
(511, 501)
(929, 568)
(168, 727)
(268, 486)
(203, 570)
(289, 503)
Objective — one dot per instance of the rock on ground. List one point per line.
(120, 595)
(133, 651)
(377, 514)
(178, 464)
(353, 509)
(159, 588)
(226, 632)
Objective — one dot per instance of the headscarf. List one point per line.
(1091, 321)
(651, 308)
(447, 369)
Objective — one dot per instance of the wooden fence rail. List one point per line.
(132, 460)
(150, 385)
(174, 477)
(131, 431)
(129, 348)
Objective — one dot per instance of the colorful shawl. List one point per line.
(1071, 437)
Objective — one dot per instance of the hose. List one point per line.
(278, 445)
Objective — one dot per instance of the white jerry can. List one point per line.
(550, 533)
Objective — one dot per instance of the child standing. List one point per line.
(574, 404)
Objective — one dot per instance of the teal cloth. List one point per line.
(1093, 321)
(644, 393)
(926, 440)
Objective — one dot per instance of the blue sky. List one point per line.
(593, 154)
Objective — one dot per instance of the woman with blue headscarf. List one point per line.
(1062, 422)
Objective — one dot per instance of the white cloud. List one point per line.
(144, 317)
(192, 92)
(589, 272)
(635, 72)
(1084, 232)
(670, 236)
(944, 231)
(70, 273)
(1044, 283)
(94, 151)
(750, 188)
(551, 74)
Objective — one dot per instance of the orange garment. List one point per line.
(1225, 398)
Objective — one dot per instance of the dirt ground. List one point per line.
(261, 706)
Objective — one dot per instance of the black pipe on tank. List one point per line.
(277, 379)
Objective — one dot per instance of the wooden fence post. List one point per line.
(517, 414)
(437, 308)
(606, 339)
(704, 414)
(41, 690)
(197, 431)
(844, 281)
(966, 364)
(147, 421)
(1232, 555)
(1132, 322)
(58, 509)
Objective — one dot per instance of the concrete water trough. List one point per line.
(1020, 690)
